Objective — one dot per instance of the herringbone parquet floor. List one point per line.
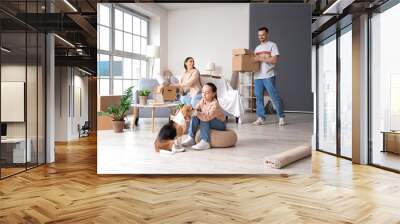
(70, 191)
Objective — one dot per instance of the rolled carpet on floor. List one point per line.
(285, 158)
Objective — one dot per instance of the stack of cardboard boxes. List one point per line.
(243, 61)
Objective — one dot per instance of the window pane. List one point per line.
(103, 65)
(136, 69)
(143, 68)
(127, 23)
(104, 87)
(127, 84)
(346, 94)
(118, 19)
(127, 68)
(327, 98)
(117, 86)
(104, 38)
(144, 28)
(127, 42)
(117, 67)
(135, 83)
(136, 25)
(104, 13)
(144, 45)
(98, 37)
(136, 44)
(118, 40)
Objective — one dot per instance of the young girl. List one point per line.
(209, 116)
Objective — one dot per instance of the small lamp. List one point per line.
(210, 68)
(153, 52)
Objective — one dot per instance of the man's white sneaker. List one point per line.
(189, 141)
(259, 121)
(202, 145)
(282, 121)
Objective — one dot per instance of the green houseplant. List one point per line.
(143, 95)
(118, 112)
(179, 106)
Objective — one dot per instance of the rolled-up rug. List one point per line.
(285, 158)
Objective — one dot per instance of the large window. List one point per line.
(122, 41)
(385, 89)
(327, 95)
(335, 93)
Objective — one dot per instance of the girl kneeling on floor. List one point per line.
(209, 115)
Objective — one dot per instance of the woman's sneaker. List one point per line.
(176, 148)
(189, 141)
(202, 145)
(259, 121)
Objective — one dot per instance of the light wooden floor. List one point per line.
(10, 171)
(132, 152)
(5, 172)
(70, 191)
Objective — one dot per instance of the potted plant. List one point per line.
(118, 112)
(143, 95)
(179, 106)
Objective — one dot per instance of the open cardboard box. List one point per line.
(169, 92)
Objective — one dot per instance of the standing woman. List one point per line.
(190, 83)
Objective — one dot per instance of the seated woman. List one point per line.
(190, 83)
(209, 116)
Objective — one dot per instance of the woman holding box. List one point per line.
(190, 83)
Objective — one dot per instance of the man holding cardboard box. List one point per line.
(267, 54)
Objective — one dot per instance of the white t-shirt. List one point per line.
(266, 69)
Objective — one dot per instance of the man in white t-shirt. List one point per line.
(267, 54)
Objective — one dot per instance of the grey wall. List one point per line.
(290, 28)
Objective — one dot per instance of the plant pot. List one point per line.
(118, 126)
(143, 100)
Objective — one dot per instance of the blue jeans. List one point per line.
(269, 85)
(187, 99)
(205, 127)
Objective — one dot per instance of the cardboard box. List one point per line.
(264, 55)
(238, 51)
(168, 92)
(104, 122)
(106, 101)
(244, 63)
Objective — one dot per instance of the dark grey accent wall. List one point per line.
(290, 28)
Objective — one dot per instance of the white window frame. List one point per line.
(123, 54)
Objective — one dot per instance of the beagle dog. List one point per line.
(170, 136)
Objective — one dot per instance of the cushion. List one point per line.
(220, 139)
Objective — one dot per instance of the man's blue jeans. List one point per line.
(267, 84)
(205, 127)
(188, 100)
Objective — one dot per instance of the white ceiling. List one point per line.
(180, 6)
